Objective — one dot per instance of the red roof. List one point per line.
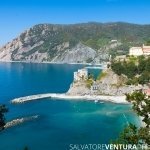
(146, 48)
(147, 92)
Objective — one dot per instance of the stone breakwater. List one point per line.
(32, 97)
(20, 121)
(114, 99)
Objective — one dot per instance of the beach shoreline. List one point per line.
(96, 98)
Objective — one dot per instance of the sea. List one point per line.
(61, 122)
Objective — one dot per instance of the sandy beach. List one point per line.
(114, 99)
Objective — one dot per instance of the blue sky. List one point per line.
(18, 15)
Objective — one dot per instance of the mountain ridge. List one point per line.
(96, 41)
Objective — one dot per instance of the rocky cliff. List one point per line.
(48, 43)
(109, 83)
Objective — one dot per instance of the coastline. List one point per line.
(48, 62)
(113, 99)
(65, 96)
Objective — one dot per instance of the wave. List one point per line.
(126, 119)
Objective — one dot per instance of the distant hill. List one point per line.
(85, 42)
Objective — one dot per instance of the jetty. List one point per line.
(20, 121)
(31, 98)
(64, 96)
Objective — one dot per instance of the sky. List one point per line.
(19, 15)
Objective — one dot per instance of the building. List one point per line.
(120, 58)
(138, 51)
(146, 50)
(113, 41)
(95, 87)
(147, 92)
(81, 74)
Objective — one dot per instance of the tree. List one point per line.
(117, 67)
(144, 78)
(141, 105)
(137, 71)
(148, 42)
(132, 134)
(141, 64)
(3, 110)
(130, 69)
(129, 135)
(147, 67)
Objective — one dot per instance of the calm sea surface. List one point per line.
(61, 122)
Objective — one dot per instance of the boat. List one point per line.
(96, 101)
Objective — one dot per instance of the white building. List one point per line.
(81, 74)
(113, 41)
(138, 51)
(120, 58)
(95, 86)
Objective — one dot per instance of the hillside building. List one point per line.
(120, 58)
(147, 92)
(146, 50)
(95, 87)
(138, 51)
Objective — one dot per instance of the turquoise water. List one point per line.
(61, 122)
(94, 72)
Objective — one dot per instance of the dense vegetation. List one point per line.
(3, 110)
(90, 80)
(101, 75)
(141, 105)
(132, 134)
(94, 35)
(136, 69)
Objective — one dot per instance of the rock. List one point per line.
(51, 43)
(78, 88)
(109, 84)
(80, 53)
(19, 121)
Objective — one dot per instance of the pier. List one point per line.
(64, 96)
(31, 98)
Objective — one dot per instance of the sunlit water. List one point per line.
(61, 122)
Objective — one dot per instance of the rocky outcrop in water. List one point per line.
(109, 84)
(79, 88)
(19, 121)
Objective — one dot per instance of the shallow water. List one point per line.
(61, 122)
